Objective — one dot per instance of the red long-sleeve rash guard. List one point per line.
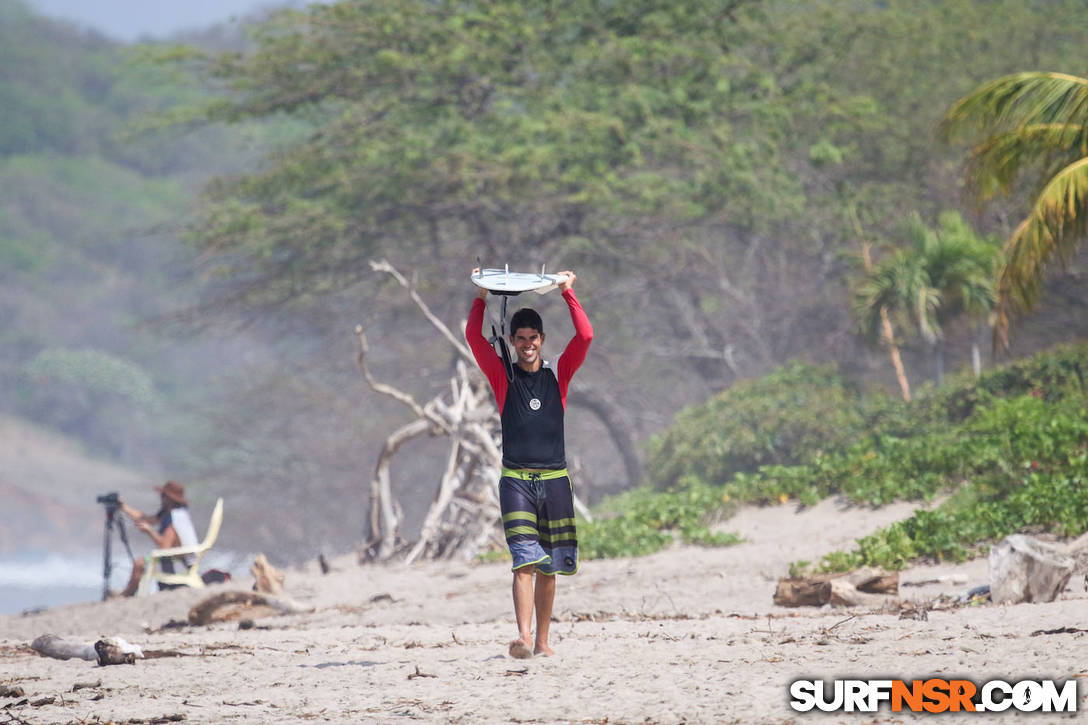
(533, 435)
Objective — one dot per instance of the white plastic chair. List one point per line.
(191, 577)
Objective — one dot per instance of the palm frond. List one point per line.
(916, 233)
(995, 163)
(979, 298)
(874, 293)
(1015, 101)
(927, 301)
(937, 276)
(1056, 224)
(959, 265)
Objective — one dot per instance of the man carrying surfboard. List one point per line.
(535, 492)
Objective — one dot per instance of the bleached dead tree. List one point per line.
(464, 513)
(464, 516)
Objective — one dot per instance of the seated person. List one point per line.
(171, 526)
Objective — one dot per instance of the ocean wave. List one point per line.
(54, 570)
(60, 570)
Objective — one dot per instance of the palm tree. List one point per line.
(885, 293)
(942, 275)
(872, 302)
(1029, 121)
(956, 268)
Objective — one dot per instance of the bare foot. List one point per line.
(519, 649)
(543, 649)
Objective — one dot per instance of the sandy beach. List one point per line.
(688, 635)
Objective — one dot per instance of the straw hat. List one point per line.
(173, 491)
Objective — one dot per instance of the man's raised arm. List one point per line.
(575, 353)
(485, 355)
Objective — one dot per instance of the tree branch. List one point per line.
(382, 388)
(384, 266)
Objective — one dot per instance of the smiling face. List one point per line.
(527, 342)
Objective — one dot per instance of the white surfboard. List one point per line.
(505, 282)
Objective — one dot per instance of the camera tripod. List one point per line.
(111, 518)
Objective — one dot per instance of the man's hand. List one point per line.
(564, 286)
(143, 526)
(480, 291)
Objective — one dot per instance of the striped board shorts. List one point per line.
(538, 519)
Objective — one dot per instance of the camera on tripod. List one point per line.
(112, 502)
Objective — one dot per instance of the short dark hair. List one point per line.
(526, 317)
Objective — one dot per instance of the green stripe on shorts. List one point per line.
(519, 516)
(557, 523)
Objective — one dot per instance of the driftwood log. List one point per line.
(50, 645)
(116, 651)
(106, 651)
(464, 515)
(234, 605)
(868, 586)
(803, 592)
(267, 578)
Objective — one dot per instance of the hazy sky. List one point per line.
(131, 19)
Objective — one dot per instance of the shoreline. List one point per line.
(35, 579)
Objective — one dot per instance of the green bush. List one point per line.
(94, 372)
(782, 419)
(1029, 461)
(100, 398)
(644, 521)
(1011, 446)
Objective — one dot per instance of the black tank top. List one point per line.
(532, 421)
